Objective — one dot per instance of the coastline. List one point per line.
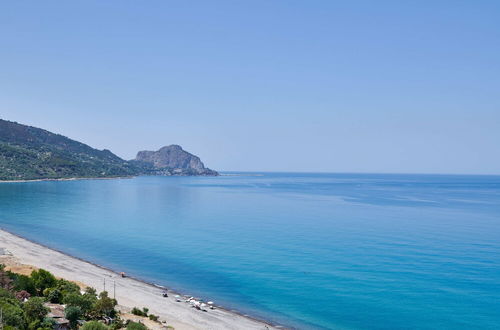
(130, 292)
(68, 179)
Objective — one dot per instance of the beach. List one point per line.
(308, 251)
(21, 255)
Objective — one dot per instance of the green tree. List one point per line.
(47, 323)
(12, 313)
(54, 295)
(73, 314)
(67, 287)
(105, 306)
(4, 293)
(94, 325)
(85, 302)
(91, 291)
(34, 309)
(23, 282)
(136, 326)
(43, 280)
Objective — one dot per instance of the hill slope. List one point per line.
(28, 153)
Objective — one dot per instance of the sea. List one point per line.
(302, 250)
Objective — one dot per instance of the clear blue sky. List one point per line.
(339, 86)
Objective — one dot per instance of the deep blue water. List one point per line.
(344, 251)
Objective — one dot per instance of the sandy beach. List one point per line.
(21, 255)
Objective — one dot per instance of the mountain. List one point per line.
(171, 160)
(28, 153)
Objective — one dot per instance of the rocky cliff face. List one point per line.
(171, 160)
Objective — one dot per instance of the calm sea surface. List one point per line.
(313, 251)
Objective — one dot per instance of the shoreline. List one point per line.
(67, 179)
(99, 178)
(188, 318)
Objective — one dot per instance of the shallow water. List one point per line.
(344, 251)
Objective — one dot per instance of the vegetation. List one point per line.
(138, 312)
(23, 302)
(94, 325)
(28, 153)
(34, 309)
(73, 314)
(136, 326)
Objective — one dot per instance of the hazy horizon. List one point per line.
(363, 87)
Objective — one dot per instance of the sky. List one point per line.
(310, 86)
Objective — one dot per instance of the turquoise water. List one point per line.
(344, 251)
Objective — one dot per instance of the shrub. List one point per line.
(138, 312)
(136, 326)
(39, 325)
(94, 325)
(117, 324)
(153, 317)
(48, 323)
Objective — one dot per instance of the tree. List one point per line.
(85, 302)
(12, 314)
(43, 280)
(94, 325)
(73, 314)
(136, 326)
(53, 295)
(6, 293)
(34, 309)
(67, 287)
(105, 306)
(91, 291)
(23, 282)
(47, 323)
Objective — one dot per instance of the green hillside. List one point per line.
(28, 153)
